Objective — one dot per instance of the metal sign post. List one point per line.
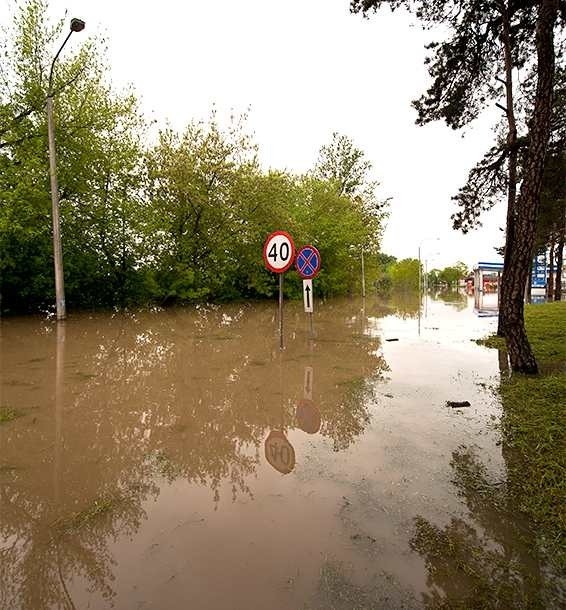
(279, 255)
(280, 311)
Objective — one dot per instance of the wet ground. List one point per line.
(176, 459)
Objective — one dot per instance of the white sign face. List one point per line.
(279, 252)
(307, 296)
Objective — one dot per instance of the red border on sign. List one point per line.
(291, 258)
(308, 277)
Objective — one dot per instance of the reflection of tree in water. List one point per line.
(455, 298)
(491, 564)
(137, 400)
(44, 555)
(404, 304)
(349, 417)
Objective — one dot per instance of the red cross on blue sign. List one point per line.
(308, 262)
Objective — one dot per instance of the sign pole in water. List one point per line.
(280, 311)
(308, 265)
(278, 255)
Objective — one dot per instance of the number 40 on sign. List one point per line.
(279, 255)
(279, 252)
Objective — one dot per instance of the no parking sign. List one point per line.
(308, 262)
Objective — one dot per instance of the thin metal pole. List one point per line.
(363, 276)
(281, 311)
(419, 268)
(311, 328)
(57, 248)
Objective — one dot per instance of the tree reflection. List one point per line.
(140, 398)
(43, 555)
(488, 562)
(404, 304)
(456, 298)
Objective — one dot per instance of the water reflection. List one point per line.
(456, 298)
(402, 304)
(279, 452)
(151, 440)
(114, 406)
(488, 563)
(308, 417)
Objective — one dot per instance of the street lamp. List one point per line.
(420, 244)
(77, 25)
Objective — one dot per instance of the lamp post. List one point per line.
(77, 25)
(420, 244)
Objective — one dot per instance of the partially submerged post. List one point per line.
(279, 255)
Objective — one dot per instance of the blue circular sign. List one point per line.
(308, 262)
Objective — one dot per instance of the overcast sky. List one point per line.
(305, 68)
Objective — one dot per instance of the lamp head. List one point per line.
(77, 25)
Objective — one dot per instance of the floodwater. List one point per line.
(177, 459)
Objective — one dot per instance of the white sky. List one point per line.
(305, 68)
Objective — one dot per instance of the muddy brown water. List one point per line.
(177, 459)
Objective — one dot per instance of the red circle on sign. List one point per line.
(307, 276)
(291, 260)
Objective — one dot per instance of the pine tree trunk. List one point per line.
(526, 208)
(512, 164)
(559, 259)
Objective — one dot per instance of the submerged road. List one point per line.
(175, 459)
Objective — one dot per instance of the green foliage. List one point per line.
(98, 136)
(8, 414)
(449, 275)
(183, 220)
(405, 274)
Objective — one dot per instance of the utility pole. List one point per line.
(363, 276)
(77, 25)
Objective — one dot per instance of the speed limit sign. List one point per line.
(279, 252)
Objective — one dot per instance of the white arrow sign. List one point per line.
(307, 385)
(307, 296)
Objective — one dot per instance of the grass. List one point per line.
(8, 414)
(534, 414)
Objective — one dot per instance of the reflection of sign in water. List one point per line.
(539, 271)
(279, 452)
(307, 385)
(308, 417)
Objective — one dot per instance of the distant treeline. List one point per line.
(168, 218)
(404, 274)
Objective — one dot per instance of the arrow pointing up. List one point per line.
(308, 291)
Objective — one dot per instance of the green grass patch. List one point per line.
(8, 414)
(533, 423)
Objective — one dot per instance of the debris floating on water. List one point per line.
(456, 405)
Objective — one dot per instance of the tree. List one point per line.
(197, 184)
(98, 133)
(345, 166)
(405, 274)
(342, 163)
(484, 39)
